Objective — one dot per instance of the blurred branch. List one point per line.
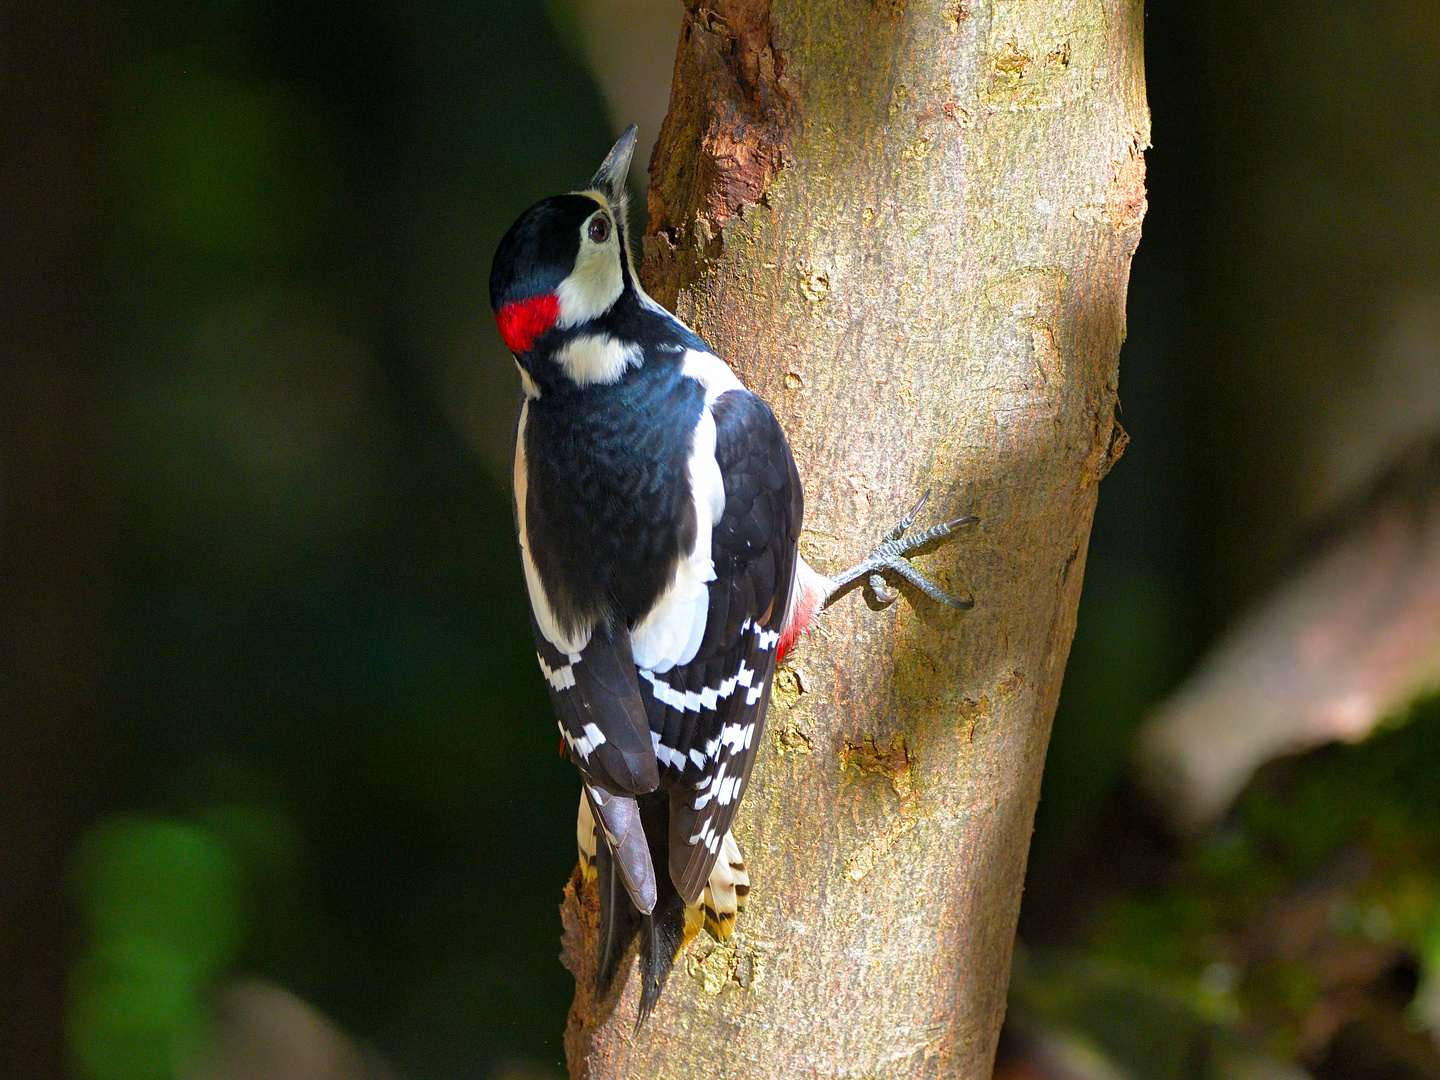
(1349, 640)
(263, 1032)
(909, 227)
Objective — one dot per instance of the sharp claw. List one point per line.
(882, 594)
(919, 540)
(909, 519)
(925, 585)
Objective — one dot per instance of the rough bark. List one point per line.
(908, 225)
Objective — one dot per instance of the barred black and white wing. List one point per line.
(706, 715)
(600, 711)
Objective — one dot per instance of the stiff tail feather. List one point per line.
(668, 928)
(662, 934)
(671, 926)
(619, 921)
(662, 937)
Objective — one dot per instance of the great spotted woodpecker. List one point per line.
(658, 509)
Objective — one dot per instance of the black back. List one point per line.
(609, 506)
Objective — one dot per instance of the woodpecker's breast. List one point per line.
(608, 510)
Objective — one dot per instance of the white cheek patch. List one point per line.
(595, 283)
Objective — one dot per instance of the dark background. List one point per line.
(268, 701)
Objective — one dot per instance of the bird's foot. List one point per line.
(890, 556)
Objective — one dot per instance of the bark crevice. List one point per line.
(724, 139)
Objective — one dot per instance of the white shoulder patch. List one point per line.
(710, 372)
(597, 358)
(670, 633)
(572, 643)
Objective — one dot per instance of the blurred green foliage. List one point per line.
(344, 777)
(1129, 649)
(162, 905)
(224, 170)
(1334, 852)
(1265, 378)
(1129, 1022)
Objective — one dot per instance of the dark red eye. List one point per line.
(599, 229)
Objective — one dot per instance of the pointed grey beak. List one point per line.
(610, 177)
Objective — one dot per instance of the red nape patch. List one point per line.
(522, 322)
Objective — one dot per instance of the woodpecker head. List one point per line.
(559, 271)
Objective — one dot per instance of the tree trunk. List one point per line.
(908, 225)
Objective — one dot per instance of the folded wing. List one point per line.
(706, 716)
